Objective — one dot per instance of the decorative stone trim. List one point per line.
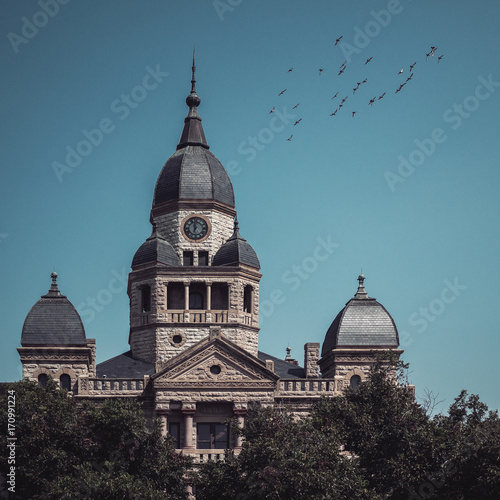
(174, 336)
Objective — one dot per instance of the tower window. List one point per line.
(65, 381)
(203, 258)
(187, 258)
(220, 297)
(195, 300)
(175, 296)
(212, 436)
(42, 380)
(355, 381)
(145, 298)
(247, 299)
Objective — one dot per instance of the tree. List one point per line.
(67, 451)
(282, 457)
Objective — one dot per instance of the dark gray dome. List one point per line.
(236, 251)
(156, 250)
(193, 173)
(363, 322)
(53, 320)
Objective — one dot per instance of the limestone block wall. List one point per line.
(76, 369)
(143, 344)
(170, 227)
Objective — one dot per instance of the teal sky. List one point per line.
(406, 189)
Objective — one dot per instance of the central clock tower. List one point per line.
(195, 272)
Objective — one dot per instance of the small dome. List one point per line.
(363, 322)
(236, 251)
(193, 173)
(53, 320)
(156, 250)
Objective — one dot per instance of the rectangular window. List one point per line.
(212, 436)
(203, 258)
(174, 429)
(187, 258)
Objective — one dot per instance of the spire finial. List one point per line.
(288, 356)
(193, 80)
(54, 289)
(361, 293)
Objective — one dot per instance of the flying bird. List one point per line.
(341, 71)
(340, 105)
(272, 110)
(354, 89)
(290, 70)
(382, 96)
(290, 138)
(338, 40)
(427, 55)
(372, 101)
(298, 121)
(365, 80)
(282, 92)
(335, 95)
(412, 66)
(320, 71)
(344, 99)
(368, 60)
(334, 113)
(353, 113)
(440, 57)
(400, 71)
(296, 105)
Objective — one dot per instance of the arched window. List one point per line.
(355, 381)
(42, 380)
(65, 381)
(195, 300)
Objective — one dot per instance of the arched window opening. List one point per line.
(247, 299)
(65, 381)
(220, 297)
(355, 381)
(195, 300)
(42, 380)
(145, 298)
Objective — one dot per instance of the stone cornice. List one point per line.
(193, 205)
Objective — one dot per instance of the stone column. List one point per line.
(209, 296)
(163, 415)
(188, 415)
(186, 296)
(240, 414)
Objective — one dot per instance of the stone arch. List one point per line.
(355, 372)
(66, 371)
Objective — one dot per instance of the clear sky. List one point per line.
(406, 189)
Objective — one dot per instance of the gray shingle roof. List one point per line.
(53, 320)
(236, 251)
(124, 366)
(156, 249)
(363, 322)
(282, 368)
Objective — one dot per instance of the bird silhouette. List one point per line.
(400, 71)
(272, 110)
(296, 105)
(321, 71)
(338, 40)
(412, 66)
(368, 60)
(341, 71)
(382, 96)
(298, 121)
(440, 57)
(353, 113)
(290, 138)
(372, 101)
(427, 55)
(334, 113)
(365, 80)
(282, 92)
(290, 70)
(354, 89)
(344, 99)
(335, 95)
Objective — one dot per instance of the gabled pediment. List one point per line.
(214, 361)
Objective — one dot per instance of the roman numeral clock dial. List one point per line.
(195, 228)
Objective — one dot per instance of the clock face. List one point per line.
(195, 228)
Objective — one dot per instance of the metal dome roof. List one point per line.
(193, 172)
(156, 249)
(53, 320)
(236, 251)
(363, 322)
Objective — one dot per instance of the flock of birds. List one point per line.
(372, 101)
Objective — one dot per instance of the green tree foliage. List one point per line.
(66, 451)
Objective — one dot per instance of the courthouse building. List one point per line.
(194, 359)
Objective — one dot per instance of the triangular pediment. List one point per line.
(214, 361)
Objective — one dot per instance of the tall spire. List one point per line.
(193, 134)
(361, 293)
